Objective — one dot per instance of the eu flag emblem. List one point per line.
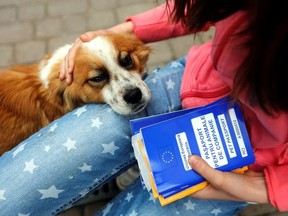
(167, 157)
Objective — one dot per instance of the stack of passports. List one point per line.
(163, 144)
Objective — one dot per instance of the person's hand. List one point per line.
(67, 66)
(250, 186)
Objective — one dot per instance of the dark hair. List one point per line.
(262, 72)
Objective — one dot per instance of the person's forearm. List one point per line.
(126, 27)
(155, 25)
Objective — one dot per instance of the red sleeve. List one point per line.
(277, 183)
(155, 25)
(269, 137)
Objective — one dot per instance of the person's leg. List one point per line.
(136, 200)
(78, 153)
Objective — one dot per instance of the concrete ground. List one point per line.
(31, 28)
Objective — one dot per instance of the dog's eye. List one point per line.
(99, 78)
(126, 61)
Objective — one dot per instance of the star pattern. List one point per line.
(110, 148)
(170, 84)
(51, 192)
(151, 198)
(53, 127)
(216, 211)
(155, 70)
(39, 135)
(129, 196)
(30, 166)
(80, 111)
(54, 192)
(114, 171)
(171, 108)
(70, 144)
(107, 210)
(18, 150)
(96, 123)
(134, 213)
(175, 64)
(47, 148)
(96, 180)
(189, 205)
(85, 168)
(84, 193)
(2, 195)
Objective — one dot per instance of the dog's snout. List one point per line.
(133, 96)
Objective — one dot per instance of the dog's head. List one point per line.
(108, 69)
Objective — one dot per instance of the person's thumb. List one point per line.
(212, 175)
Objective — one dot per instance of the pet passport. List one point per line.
(162, 145)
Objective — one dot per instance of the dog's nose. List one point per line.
(133, 96)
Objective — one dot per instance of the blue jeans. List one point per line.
(78, 153)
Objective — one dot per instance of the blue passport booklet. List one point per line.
(163, 143)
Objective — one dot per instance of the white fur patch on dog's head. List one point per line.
(108, 69)
(46, 66)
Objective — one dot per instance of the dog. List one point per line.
(108, 69)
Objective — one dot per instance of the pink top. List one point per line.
(208, 76)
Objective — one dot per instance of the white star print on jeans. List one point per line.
(51, 192)
(30, 166)
(81, 151)
(2, 195)
(70, 144)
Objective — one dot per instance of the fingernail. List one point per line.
(192, 159)
(83, 37)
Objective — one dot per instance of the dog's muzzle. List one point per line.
(135, 99)
(133, 96)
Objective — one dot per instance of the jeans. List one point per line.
(81, 151)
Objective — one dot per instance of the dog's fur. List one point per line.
(108, 69)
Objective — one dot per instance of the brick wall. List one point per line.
(31, 28)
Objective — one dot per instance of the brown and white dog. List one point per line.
(108, 69)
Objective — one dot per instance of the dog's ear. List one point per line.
(70, 101)
(143, 53)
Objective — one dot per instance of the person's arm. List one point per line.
(67, 65)
(270, 140)
(150, 26)
(270, 186)
(277, 183)
(249, 187)
(156, 25)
